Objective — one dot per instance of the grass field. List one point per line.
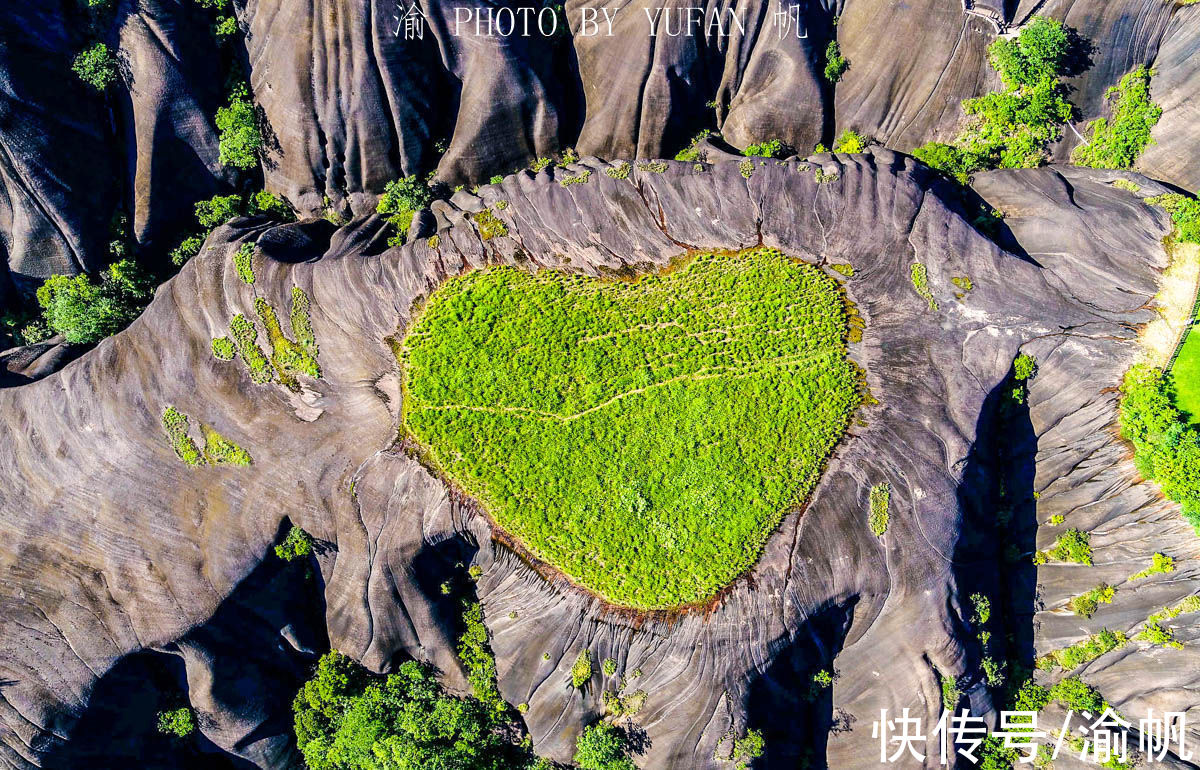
(1186, 374)
(643, 437)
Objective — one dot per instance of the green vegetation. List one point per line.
(188, 248)
(1160, 564)
(919, 275)
(746, 169)
(1185, 375)
(302, 324)
(476, 656)
(603, 747)
(963, 282)
(609, 667)
(850, 142)
(881, 495)
(581, 178)
(653, 166)
(223, 349)
(1024, 367)
(617, 705)
(1166, 447)
(180, 722)
(219, 450)
(773, 148)
(691, 153)
(835, 64)
(1158, 634)
(84, 312)
(1086, 651)
(581, 669)
(580, 412)
(1056, 520)
(243, 262)
(822, 176)
(1126, 185)
(346, 719)
(240, 138)
(96, 66)
(1189, 604)
(540, 164)
(288, 357)
(1072, 545)
(843, 268)
(619, 172)
(176, 424)
(1119, 143)
(298, 544)
(490, 226)
(1085, 605)
(246, 337)
(950, 692)
(1012, 128)
(400, 200)
(1184, 211)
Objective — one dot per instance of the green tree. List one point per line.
(401, 199)
(178, 722)
(96, 66)
(835, 64)
(346, 719)
(240, 139)
(603, 747)
(84, 311)
(1118, 143)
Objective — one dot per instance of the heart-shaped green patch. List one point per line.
(642, 437)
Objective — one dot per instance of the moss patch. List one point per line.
(643, 437)
(176, 424)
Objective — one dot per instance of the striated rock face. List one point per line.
(114, 546)
(348, 103)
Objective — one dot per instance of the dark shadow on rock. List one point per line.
(998, 529)
(440, 573)
(248, 660)
(794, 714)
(118, 729)
(297, 241)
(1080, 51)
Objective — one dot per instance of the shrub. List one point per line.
(476, 656)
(246, 337)
(219, 450)
(692, 151)
(919, 275)
(346, 719)
(243, 262)
(1166, 447)
(298, 544)
(1075, 694)
(1118, 143)
(302, 324)
(581, 669)
(179, 722)
(270, 205)
(1024, 367)
(609, 667)
(401, 199)
(950, 692)
(85, 312)
(620, 171)
(1085, 605)
(240, 138)
(218, 210)
(176, 424)
(490, 226)
(946, 158)
(1072, 545)
(773, 148)
(880, 497)
(96, 66)
(603, 747)
(1156, 633)
(223, 349)
(1085, 651)
(1160, 564)
(835, 64)
(189, 248)
(1184, 211)
(580, 178)
(843, 268)
(850, 142)
(287, 357)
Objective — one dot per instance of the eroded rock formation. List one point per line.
(114, 546)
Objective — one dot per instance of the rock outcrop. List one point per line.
(116, 547)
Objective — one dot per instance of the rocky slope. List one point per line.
(116, 548)
(349, 104)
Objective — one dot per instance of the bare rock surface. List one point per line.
(116, 547)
